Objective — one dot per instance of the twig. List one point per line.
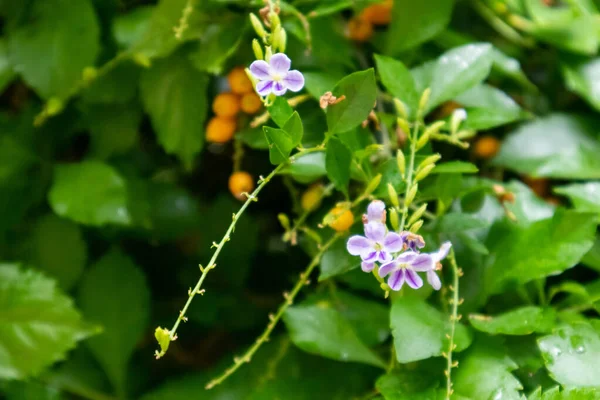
(183, 22)
(455, 301)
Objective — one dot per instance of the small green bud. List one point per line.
(403, 124)
(430, 131)
(424, 100)
(142, 60)
(423, 172)
(373, 185)
(429, 160)
(89, 74)
(268, 53)
(394, 219)
(466, 134)
(401, 160)
(258, 26)
(54, 106)
(400, 108)
(282, 39)
(393, 195)
(414, 228)
(258, 51)
(275, 21)
(417, 214)
(275, 38)
(284, 221)
(410, 195)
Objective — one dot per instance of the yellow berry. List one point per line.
(342, 219)
(239, 82)
(220, 130)
(240, 182)
(311, 198)
(359, 29)
(251, 103)
(378, 14)
(226, 105)
(486, 147)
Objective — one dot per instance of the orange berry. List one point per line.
(539, 186)
(311, 198)
(239, 82)
(359, 29)
(486, 147)
(226, 105)
(220, 130)
(342, 219)
(378, 14)
(251, 103)
(240, 182)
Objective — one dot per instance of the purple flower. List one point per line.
(275, 76)
(376, 246)
(436, 257)
(375, 212)
(413, 241)
(403, 269)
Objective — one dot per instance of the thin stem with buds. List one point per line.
(454, 301)
(409, 173)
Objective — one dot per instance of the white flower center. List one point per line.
(276, 77)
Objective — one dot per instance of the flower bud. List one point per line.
(424, 100)
(284, 221)
(416, 226)
(410, 195)
(258, 51)
(393, 195)
(403, 124)
(275, 38)
(394, 219)
(163, 337)
(142, 60)
(401, 160)
(458, 116)
(431, 130)
(466, 134)
(373, 185)
(429, 160)
(400, 108)
(275, 21)
(268, 53)
(423, 172)
(54, 106)
(281, 37)
(89, 74)
(258, 26)
(417, 214)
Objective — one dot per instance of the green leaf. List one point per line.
(280, 111)
(174, 94)
(584, 196)
(129, 28)
(360, 90)
(484, 372)
(559, 242)
(336, 261)
(338, 158)
(488, 107)
(572, 355)
(114, 293)
(307, 168)
(416, 22)
(566, 147)
(113, 129)
(58, 249)
(454, 72)
(58, 39)
(592, 257)
(460, 222)
(520, 321)
(582, 76)
(566, 394)
(324, 331)
(117, 86)
(31, 390)
(281, 144)
(7, 74)
(455, 167)
(317, 83)
(254, 138)
(293, 127)
(408, 385)
(90, 193)
(38, 323)
(419, 330)
(398, 81)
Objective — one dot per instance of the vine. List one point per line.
(455, 301)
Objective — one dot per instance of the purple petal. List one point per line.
(280, 63)
(294, 80)
(406, 257)
(375, 231)
(396, 280)
(367, 267)
(369, 257)
(279, 89)
(434, 280)
(423, 262)
(413, 279)
(358, 245)
(392, 242)
(387, 268)
(384, 256)
(376, 210)
(442, 252)
(261, 70)
(264, 88)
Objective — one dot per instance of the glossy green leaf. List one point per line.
(360, 90)
(455, 167)
(114, 294)
(129, 28)
(307, 168)
(559, 242)
(566, 147)
(280, 111)
(293, 127)
(408, 385)
(566, 394)
(105, 202)
(398, 81)
(459, 222)
(317, 83)
(117, 86)
(38, 323)
(414, 23)
(336, 261)
(485, 372)
(7, 73)
(572, 355)
(280, 143)
(254, 137)
(420, 330)
(174, 94)
(582, 76)
(520, 321)
(592, 257)
(113, 129)
(58, 40)
(584, 196)
(59, 250)
(324, 331)
(337, 162)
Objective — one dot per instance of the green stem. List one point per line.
(409, 173)
(454, 317)
(183, 22)
(289, 299)
(500, 26)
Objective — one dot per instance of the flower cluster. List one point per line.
(397, 253)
